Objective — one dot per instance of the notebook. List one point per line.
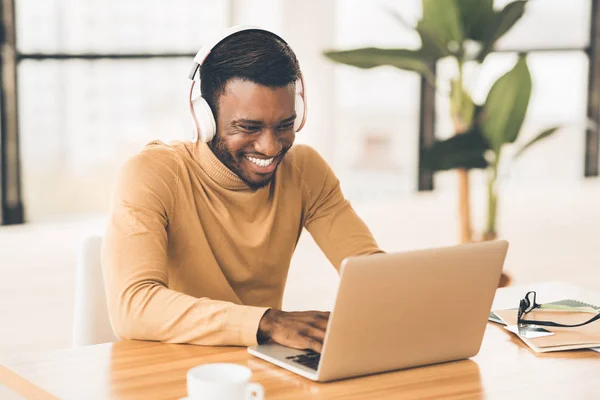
(547, 339)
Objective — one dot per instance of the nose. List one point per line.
(268, 143)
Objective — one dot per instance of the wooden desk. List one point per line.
(504, 368)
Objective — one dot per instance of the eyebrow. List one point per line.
(245, 121)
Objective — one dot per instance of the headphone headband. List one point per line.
(216, 39)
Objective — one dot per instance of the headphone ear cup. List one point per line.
(299, 105)
(204, 120)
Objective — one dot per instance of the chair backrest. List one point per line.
(91, 324)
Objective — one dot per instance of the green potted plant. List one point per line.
(466, 32)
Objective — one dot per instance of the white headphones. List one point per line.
(205, 126)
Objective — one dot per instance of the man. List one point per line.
(201, 235)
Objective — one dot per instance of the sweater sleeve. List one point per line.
(329, 217)
(134, 263)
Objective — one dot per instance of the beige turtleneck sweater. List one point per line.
(192, 255)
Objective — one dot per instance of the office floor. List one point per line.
(554, 235)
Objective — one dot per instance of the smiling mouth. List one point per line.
(261, 162)
(262, 166)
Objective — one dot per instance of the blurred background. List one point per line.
(96, 80)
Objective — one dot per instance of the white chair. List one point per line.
(91, 324)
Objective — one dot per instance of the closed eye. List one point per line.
(286, 126)
(249, 128)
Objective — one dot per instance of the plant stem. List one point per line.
(460, 74)
(464, 206)
(492, 196)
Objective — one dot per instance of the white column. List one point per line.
(309, 28)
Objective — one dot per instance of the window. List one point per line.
(117, 26)
(81, 119)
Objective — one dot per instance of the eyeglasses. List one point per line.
(529, 304)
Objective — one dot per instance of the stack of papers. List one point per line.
(543, 339)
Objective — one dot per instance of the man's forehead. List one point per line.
(246, 99)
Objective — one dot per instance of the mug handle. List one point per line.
(255, 391)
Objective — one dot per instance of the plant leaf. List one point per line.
(465, 150)
(429, 47)
(541, 136)
(431, 44)
(440, 25)
(370, 57)
(501, 23)
(475, 16)
(509, 16)
(506, 105)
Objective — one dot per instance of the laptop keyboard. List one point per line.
(309, 359)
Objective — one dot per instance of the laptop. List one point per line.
(402, 310)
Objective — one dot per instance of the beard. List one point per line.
(234, 162)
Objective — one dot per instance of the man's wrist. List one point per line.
(265, 326)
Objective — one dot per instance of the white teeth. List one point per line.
(260, 162)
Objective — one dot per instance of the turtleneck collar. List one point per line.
(216, 170)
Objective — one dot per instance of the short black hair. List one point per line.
(253, 55)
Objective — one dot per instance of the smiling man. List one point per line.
(201, 234)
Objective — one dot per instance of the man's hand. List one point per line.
(300, 330)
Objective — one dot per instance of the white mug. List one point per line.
(222, 382)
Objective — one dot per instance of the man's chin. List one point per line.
(259, 183)
(253, 179)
